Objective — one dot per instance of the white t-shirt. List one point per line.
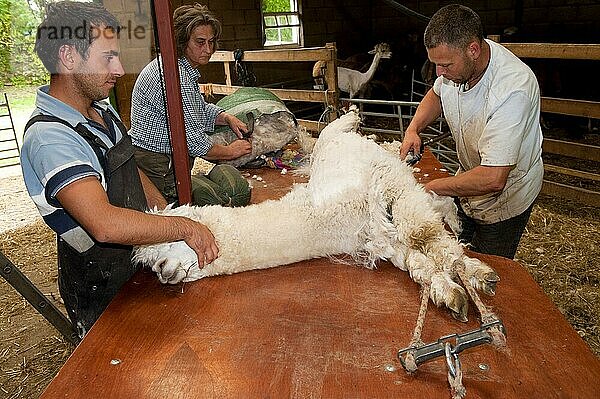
(497, 123)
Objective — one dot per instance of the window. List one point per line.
(281, 23)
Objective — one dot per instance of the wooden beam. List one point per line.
(582, 195)
(572, 172)
(181, 159)
(283, 94)
(228, 80)
(551, 50)
(331, 79)
(328, 54)
(278, 55)
(586, 109)
(312, 126)
(575, 150)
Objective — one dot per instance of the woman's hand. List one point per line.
(237, 126)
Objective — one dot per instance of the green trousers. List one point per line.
(224, 185)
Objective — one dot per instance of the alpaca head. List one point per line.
(383, 49)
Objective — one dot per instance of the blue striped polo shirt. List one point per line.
(54, 156)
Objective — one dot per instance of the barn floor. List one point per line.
(560, 249)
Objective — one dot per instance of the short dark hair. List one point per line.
(454, 25)
(189, 17)
(71, 23)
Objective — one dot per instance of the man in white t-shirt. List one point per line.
(491, 102)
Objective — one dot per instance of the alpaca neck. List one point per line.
(371, 71)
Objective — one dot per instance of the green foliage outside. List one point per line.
(18, 63)
(273, 34)
(20, 98)
(276, 5)
(277, 34)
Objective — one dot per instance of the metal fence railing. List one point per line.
(393, 117)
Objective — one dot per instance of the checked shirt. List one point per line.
(149, 126)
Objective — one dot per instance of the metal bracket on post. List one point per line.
(37, 299)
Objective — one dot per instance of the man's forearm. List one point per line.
(480, 180)
(87, 202)
(428, 111)
(154, 198)
(222, 119)
(218, 152)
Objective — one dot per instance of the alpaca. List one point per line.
(271, 132)
(352, 81)
(360, 200)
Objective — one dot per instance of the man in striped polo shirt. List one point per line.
(79, 169)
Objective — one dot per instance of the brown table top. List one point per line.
(317, 329)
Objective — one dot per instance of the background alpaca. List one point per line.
(360, 200)
(353, 81)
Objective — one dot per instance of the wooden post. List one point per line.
(331, 79)
(227, 67)
(181, 161)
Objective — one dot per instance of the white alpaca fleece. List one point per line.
(360, 200)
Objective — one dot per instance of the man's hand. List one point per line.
(411, 142)
(234, 150)
(428, 111)
(201, 240)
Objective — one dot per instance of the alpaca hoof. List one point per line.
(458, 304)
(444, 291)
(489, 283)
(458, 316)
(481, 276)
(168, 271)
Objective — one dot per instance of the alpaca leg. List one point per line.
(170, 271)
(172, 262)
(481, 276)
(442, 289)
(447, 250)
(420, 230)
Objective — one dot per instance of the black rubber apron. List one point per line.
(88, 281)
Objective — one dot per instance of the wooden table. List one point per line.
(317, 329)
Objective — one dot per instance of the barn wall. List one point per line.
(355, 26)
(136, 40)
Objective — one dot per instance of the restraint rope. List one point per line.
(457, 389)
(409, 360)
(487, 316)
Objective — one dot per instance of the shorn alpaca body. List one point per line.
(352, 81)
(273, 124)
(360, 200)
